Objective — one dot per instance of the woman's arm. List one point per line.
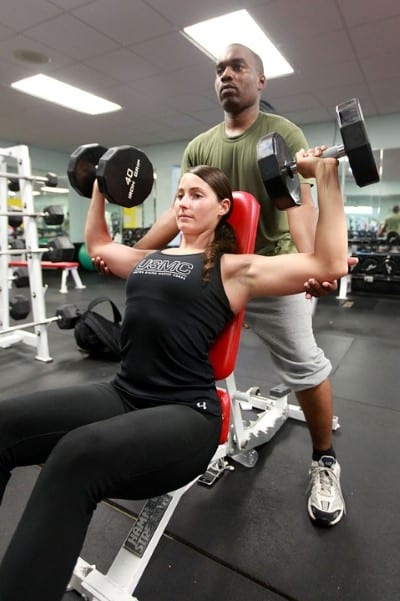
(254, 275)
(302, 221)
(119, 258)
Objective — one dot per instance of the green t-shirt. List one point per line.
(392, 223)
(237, 158)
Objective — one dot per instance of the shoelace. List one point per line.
(326, 480)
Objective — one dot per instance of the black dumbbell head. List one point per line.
(53, 215)
(20, 307)
(51, 180)
(82, 168)
(21, 277)
(13, 184)
(356, 143)
(68, 316)
(278, 171)
(125, 176)
(16, 219)
(60, 250)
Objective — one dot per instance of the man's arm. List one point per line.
(161, 232)
(383, 228)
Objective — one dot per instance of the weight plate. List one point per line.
(387, 267)
(20, 307)
(82, 167)
(125, 176)
(393, 238)
(278, 171)
(356, 143)
(369, 266)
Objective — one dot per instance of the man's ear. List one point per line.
(262, 81)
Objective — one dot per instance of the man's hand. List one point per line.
(318, 289)
(100, 265)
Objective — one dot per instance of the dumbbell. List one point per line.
(50, 180)
(125, 175)
(59, 249)
(66, 315)
(279, 170)
(19, 306)
(20, 277)
(16, 244)
(52, 215)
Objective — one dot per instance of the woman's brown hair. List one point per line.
(225, 238)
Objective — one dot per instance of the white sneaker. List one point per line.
(326, 505)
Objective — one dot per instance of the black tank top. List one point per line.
(171, 319)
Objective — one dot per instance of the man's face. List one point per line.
(238, 83)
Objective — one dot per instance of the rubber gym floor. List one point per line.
(249, 536)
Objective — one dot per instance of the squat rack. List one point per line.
(17, 157)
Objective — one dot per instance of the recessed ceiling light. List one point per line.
(53, 90)
(31, 56)
(214, 35)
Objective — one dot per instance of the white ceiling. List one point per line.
(131, 52)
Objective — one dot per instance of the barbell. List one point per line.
(125, 174)
(278, 169)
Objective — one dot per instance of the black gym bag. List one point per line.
(97, 335)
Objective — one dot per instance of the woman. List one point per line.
(156, 426)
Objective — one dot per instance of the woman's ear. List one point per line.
(224, 206)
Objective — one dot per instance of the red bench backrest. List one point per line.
(244, 219)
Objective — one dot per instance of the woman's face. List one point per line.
(197, 207)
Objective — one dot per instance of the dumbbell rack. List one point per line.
(17, 157)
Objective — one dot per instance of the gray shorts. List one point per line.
(284, 324)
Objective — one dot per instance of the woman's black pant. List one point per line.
(93, 446)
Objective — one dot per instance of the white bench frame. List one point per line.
(268, 414)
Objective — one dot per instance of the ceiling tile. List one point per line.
(123, 65)
(26, 14)
(72, 37)
(126, 22)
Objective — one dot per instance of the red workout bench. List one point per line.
(67, 267)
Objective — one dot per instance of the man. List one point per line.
(392, 222)
(283, 323)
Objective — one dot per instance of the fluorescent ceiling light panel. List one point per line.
(214, 35)
(63, 94)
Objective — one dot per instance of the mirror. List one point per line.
(366, 208)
